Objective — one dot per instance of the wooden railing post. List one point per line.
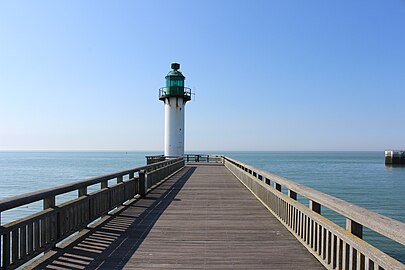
(6, 250)
(314, 206)
(277, 186)
(142, 184)
(46, 229)
(104, 184)
(82, 191)
(292, 194)
(119, 179)
(354, 227)
(49, 202)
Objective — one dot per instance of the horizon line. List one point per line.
(186, 152)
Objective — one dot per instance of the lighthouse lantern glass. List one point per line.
(175, 85)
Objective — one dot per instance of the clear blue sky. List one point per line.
(268, 75)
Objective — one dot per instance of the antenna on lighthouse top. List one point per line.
(175, 66)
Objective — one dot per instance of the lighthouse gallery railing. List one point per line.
(24, 239)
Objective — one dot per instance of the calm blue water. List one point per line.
(357, 177)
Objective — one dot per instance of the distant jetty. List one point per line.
(394, 157)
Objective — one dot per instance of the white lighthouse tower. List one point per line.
(175, 96)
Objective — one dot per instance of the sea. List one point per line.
(357, 177)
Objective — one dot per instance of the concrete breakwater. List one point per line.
(395, 157)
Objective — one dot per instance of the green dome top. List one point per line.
(174, 73)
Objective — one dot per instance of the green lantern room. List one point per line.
(175, 85)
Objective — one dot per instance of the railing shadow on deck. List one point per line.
(111, 244)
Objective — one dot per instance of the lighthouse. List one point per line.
(175, 97)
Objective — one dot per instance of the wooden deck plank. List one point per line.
(201, 218)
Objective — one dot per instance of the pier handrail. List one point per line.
(30, 197)
(203, 158)
(383, 225)
(188, 158)
(25, 238)
(335, 247)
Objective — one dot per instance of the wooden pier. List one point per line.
(201, 218)
(218, 215)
